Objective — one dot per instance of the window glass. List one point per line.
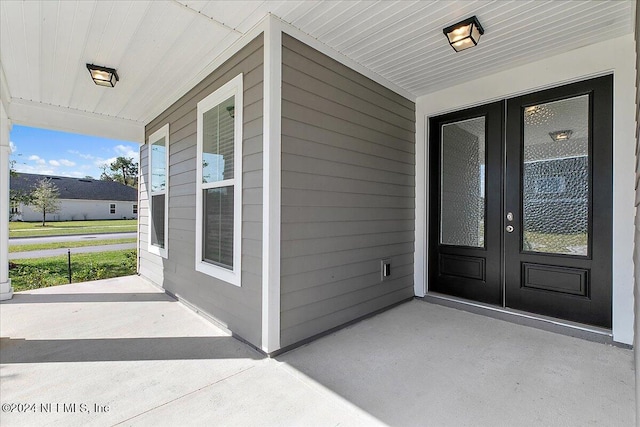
(217, 166)
(218, 226)
(217, 142)
(158, 185)
(462, 194)
(158, 165)
(556, 171)
(219, 183)
(157, 220)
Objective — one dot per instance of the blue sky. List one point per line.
(50, 152)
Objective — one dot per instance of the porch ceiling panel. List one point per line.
(159, 47)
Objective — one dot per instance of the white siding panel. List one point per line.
(80, 210)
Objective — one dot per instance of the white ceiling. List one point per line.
(156, 46)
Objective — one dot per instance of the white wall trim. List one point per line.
(233, 87)
(138, 200)
(422, 205)
(46, 116)
(271, 200)
(161, 133)
(615, 56)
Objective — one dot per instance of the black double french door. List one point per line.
(520, 200)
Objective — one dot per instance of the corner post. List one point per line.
(6, 291)
(272, 168)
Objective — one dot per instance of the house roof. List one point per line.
(400, 42)
(77, 188)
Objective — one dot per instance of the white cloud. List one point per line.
(104, 162)
(21, 167)
(12, 147)
(54, 163)
(66, 162)
(37, 159)
(99, 162)
(74, 174)
(81, 155)
(125, 151)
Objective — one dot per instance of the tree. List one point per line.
(44, 198)
(16, 197)
(123, 170)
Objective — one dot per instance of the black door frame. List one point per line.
(601, 188)
(593, 304)
(485, 283)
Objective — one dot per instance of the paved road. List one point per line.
(63, 251)
(71, 238)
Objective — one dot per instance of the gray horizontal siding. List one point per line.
(348, 188)
(239, 308)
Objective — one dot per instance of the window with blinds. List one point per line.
(219, 174)
(158, 187)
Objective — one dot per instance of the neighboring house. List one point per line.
(305, 164)
(80, 199)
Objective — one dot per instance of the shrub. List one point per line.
(88, 273)
(34, 278)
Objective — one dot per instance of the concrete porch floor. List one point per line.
(122, 343)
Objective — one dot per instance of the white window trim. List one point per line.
(229, 89)
(112, 206)
(163, 132)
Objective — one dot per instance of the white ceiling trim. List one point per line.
(241, 42)
(255, 31)
(36, 114)
(204, 15)
(343, 59)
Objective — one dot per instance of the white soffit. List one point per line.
(159, 46)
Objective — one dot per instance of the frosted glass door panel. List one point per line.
(555, 193)
(462, 194)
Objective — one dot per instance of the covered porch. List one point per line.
(351, 65)
(415, 364)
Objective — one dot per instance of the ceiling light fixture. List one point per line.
(103, 76)
(561, 135)
(464, 34)
(537, 115)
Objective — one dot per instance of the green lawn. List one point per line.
(31, 229)
(36, 273)
(58, 245)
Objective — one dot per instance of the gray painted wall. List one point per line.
(239, 308)
(348, 184)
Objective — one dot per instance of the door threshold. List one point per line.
(550, 324)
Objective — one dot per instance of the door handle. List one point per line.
(509, 228)
(509, 216)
